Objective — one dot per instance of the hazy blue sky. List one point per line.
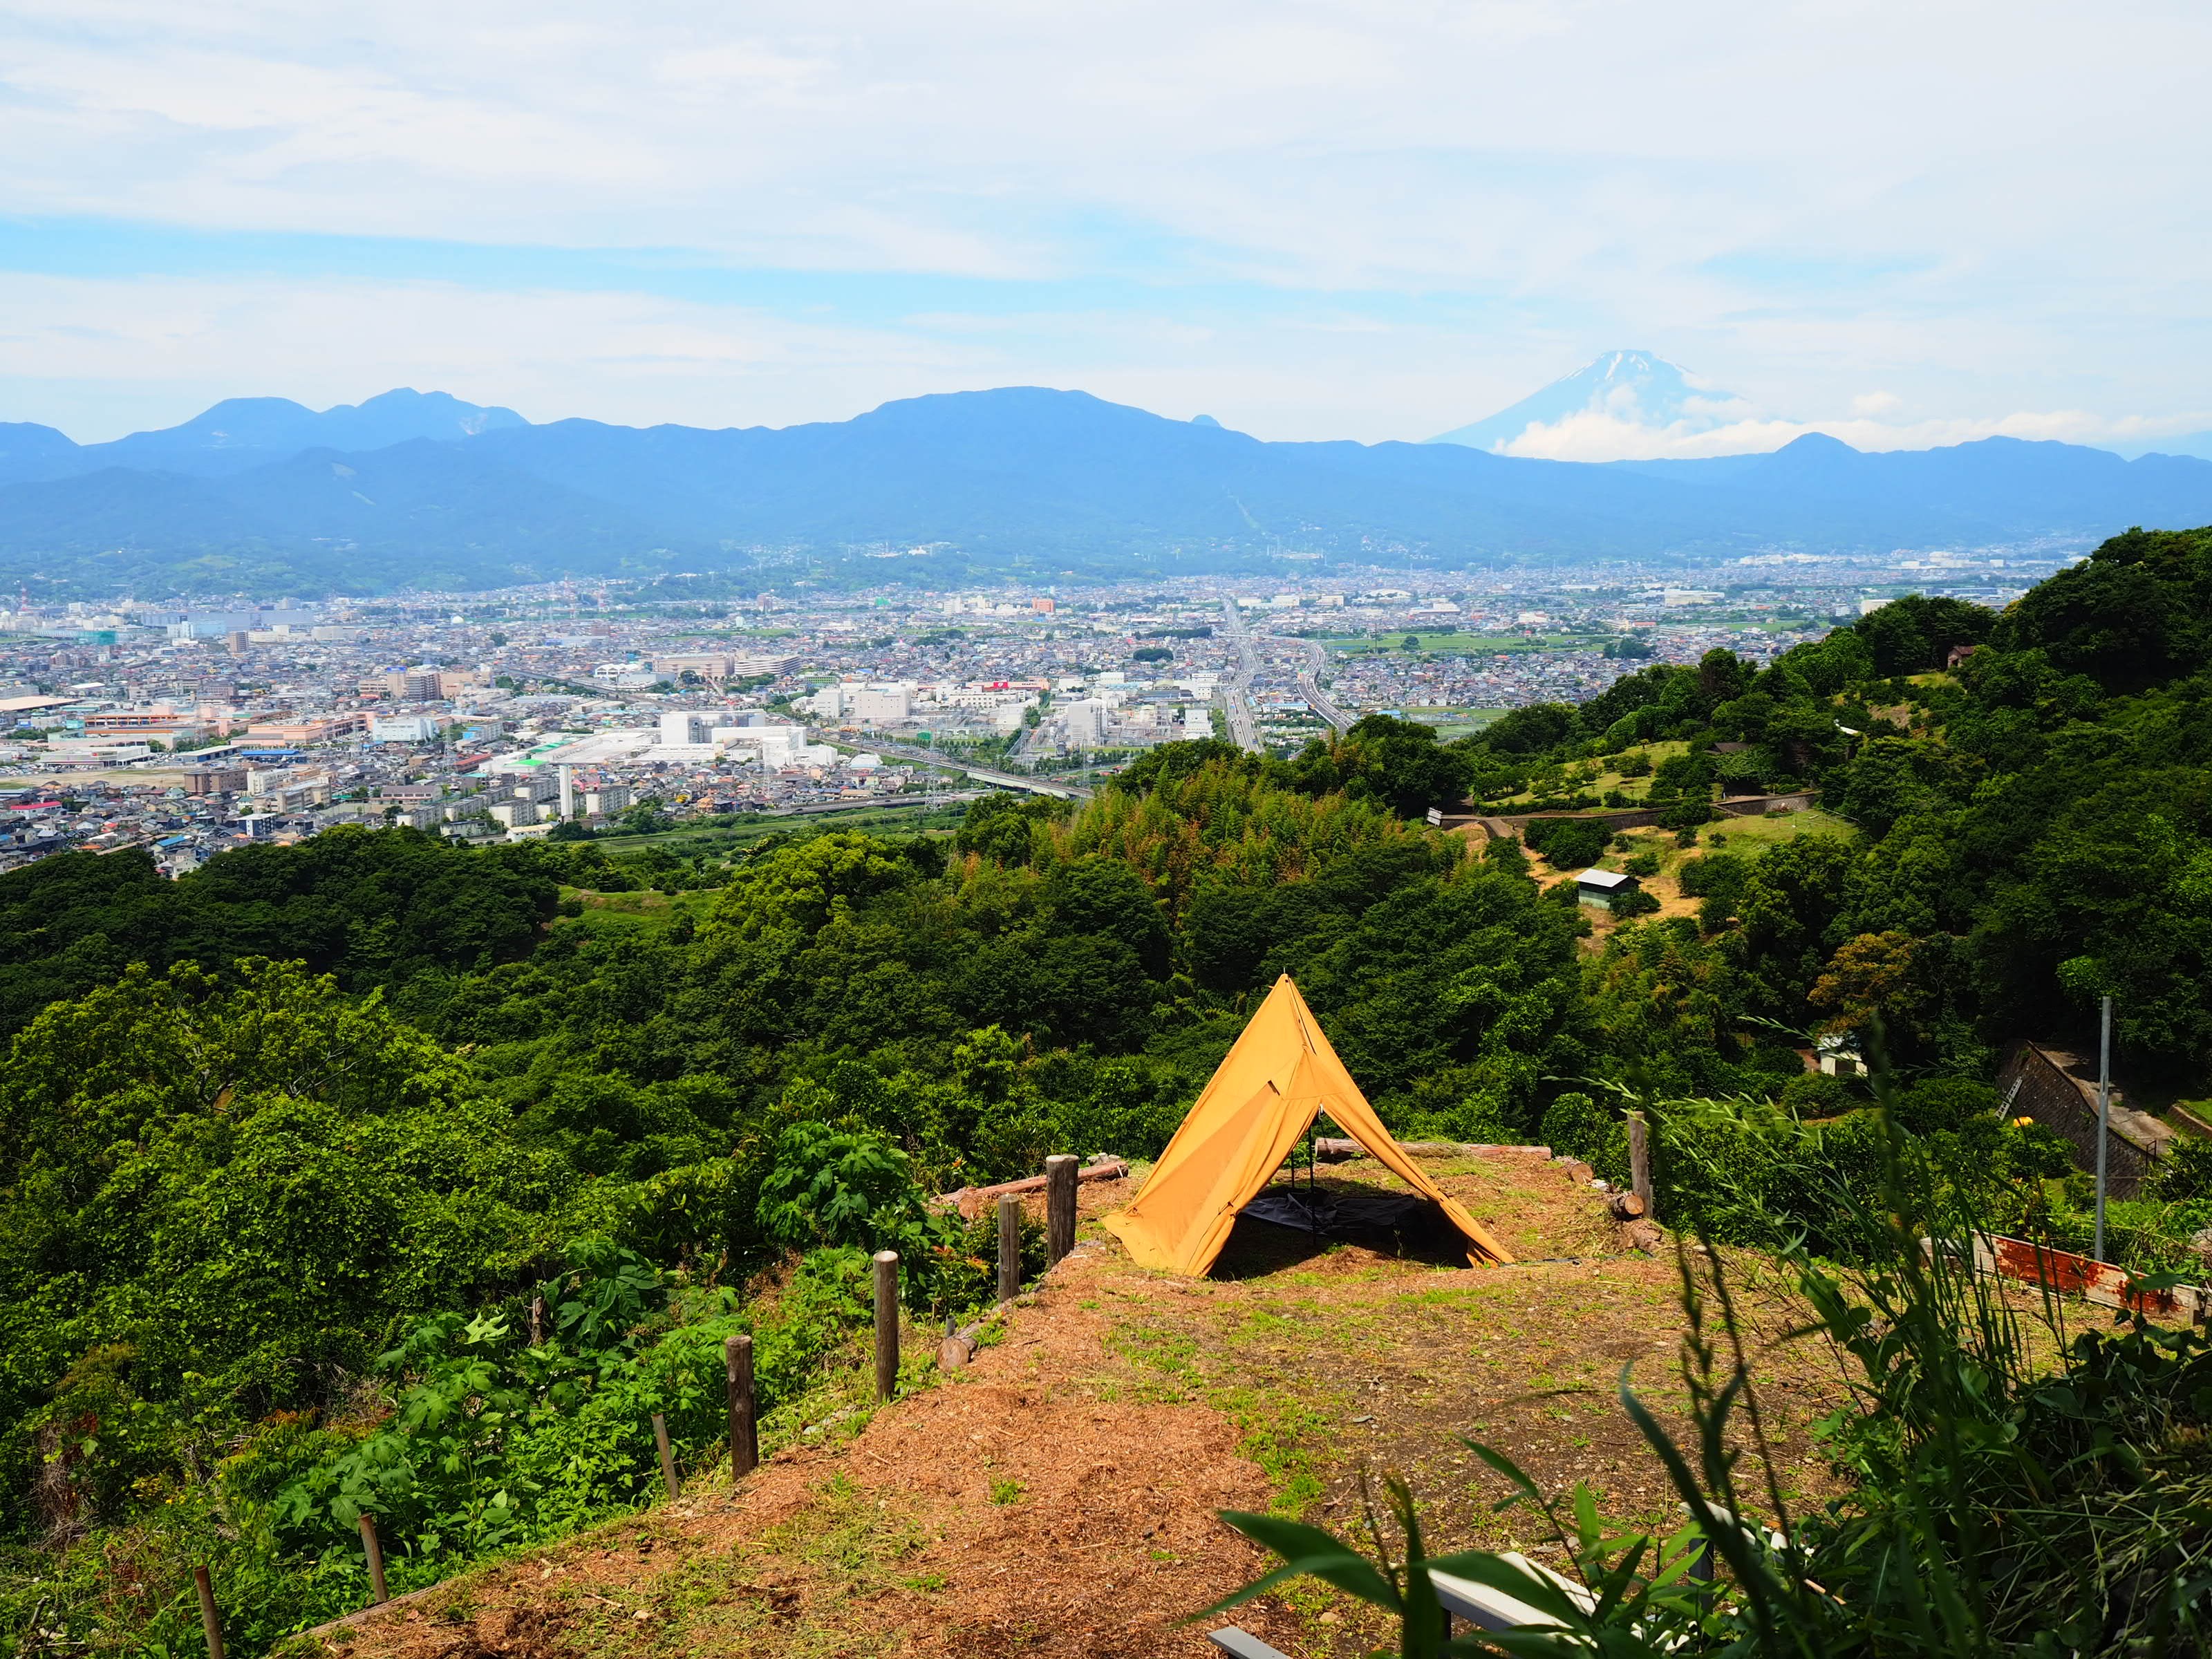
(1910, 222)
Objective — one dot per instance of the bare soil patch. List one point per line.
(1060, 1495)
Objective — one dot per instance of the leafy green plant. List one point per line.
(446, 1474)
(840, 1186)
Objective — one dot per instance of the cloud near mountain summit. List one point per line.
(1636, 406)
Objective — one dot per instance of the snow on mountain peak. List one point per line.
(1620, 406)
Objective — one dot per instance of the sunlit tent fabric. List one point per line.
(1258, 1104)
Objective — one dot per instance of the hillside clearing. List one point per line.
(1059, 1495)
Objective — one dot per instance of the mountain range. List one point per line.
(412, 488)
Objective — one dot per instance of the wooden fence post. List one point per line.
(887, 1323)
(211, 1620)
(1640, 1161)
(1059, 1205)
(744, 1433)
(373, 1547)
(1010, 1246)
(667, 1457)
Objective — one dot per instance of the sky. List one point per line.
(1906, 223)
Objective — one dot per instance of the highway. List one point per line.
(1309, 684)
(981, 774)
(1236, 690)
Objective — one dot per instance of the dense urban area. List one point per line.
(575, 709)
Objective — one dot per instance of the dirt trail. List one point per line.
(1058, 1496)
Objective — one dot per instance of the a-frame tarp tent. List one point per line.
(1260, 1101)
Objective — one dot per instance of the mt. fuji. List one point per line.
(1612, 408)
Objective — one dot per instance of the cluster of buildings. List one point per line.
(1056, 716)
(188, 729)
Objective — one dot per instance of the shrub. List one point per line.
(2186, 1174)
(1942, 1105)
(841, 1187)
(1568, 844)
(1577, 1126)
(1816, 1095)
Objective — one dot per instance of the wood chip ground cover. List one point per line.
(1060, 1495)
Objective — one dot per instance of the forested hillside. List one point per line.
(372, 1174)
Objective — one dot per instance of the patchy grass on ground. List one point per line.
(637, 913)
(1060, 1495)
(1755, 836)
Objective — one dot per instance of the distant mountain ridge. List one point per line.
(240, 433)
(1019, 477)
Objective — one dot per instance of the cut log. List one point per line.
(1627, 1207)
(972, 1202)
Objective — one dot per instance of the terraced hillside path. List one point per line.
(1059, 1495)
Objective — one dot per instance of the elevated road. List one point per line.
(1309, 684)
(1236, 691)
(981, 774)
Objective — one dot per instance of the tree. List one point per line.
(1381, 758)
(1569, 844)
(1531, 730)
(1869, 978)
(1096, 897)
(245, 1180)
(1916, 633)
(2131, 616)
(1001, 827)
(649, 817)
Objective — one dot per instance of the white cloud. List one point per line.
(1600, 436)
(144, 351)
(101, 356)
(1798, 198)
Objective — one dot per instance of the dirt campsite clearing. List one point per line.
(1059, 1495)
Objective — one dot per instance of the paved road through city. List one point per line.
(1310, 682)
(1236, 690)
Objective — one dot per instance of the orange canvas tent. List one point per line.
(1260, 1102)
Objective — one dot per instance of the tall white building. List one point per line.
(879, 702)
(685, 726)
(1085, 720)
(607, 798)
